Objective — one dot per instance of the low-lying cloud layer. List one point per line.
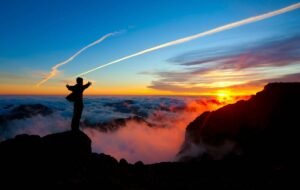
(153, 133)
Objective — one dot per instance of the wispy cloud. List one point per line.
(278, 52)
(15, 78)
(200, 35)
(227, 67)
(54, 70)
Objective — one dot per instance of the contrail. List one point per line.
(202, 34)
(54, 69)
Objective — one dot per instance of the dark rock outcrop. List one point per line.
(48, 159)
(261, 128)
(65, 160)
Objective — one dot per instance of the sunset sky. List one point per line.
(36, 35)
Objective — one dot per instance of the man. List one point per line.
(76, 97)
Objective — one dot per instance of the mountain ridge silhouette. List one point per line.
(261, 128)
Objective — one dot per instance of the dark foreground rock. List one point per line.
(65, 159)
(263, 128)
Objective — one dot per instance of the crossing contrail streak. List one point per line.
(202, 34)
(54, 69)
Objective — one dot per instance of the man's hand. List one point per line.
(87, 85)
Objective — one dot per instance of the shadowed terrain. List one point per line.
(261, 128)
(255, 139)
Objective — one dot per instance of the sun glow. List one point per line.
(224, 96)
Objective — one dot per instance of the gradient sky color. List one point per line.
(36, 35)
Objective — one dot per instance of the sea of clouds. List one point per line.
(154, 133)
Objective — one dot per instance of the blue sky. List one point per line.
(35, 35)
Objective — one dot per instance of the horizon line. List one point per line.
(89, 95)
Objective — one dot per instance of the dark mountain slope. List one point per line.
(264, 127)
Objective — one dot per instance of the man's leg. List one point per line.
(76, 116)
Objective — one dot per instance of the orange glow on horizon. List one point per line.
(222, 94)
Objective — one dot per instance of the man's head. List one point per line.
(79, 80)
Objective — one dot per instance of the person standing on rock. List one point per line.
(76, 97)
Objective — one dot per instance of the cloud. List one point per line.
(37, 125)
(203, 71)
(54, 70)
(13, 78)
(134, 141)
(279, 52)
(285, 78)
(200, 35)
(137, 141)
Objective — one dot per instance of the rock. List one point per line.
(54, 156)
(262, 128)
(123, 162)
(69, 145)
(139, 164)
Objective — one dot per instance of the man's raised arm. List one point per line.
(87, 85)
(71, 88)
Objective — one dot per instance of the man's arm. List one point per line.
(71, 88)
(87, 85)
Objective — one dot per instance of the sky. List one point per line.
(36, 35)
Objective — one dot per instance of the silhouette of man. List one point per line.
(76, 97)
